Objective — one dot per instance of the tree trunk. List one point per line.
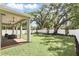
(36, 31)
(47, 30)
(55, 30)
(66, 31)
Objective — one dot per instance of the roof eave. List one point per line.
(11, 10)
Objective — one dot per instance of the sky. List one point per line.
(24, 7)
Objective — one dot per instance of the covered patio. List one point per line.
(10, 18)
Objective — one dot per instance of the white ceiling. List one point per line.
(10, 18)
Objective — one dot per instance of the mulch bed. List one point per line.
(11, 42)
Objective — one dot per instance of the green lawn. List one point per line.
(44, 45)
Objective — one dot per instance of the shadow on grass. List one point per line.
(68, 51)
(61, 44)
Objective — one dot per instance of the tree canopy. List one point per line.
(54, 15)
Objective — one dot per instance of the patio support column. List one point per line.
(13, 30)
(5, 30)
(0, 29)
(16, 30)
(20, 30)
(28, 31)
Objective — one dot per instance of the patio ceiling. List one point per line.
(10, 16)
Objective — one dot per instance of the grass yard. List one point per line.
(44, 45)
